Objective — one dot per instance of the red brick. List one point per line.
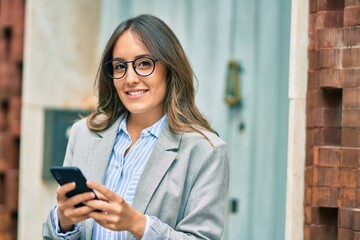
(329, 38)
(325, 196)
(326, 177)
(324, 117)
(323, 232)
(18, 15)
(330, 5)
(349, 3)
(309, 156)
(323, 136)
(330, 58)
(349, 198)
(313, 6)
(351, 57)
(345, 234)
(17, 48)
(10, 82)
(309, 176)
(349, 177)
(9, 149)
(350, 157)
(350, 137)
(308, 195)
(356, 221)
(331, 78)
(307, 232)
(5, 13)
(327, 156)
(3, 167)
(3, 49)
(12, 14)
(352, 37)
(313, 79)
(356, 235)
(351, 78)
(345, 218)
(310, 118)
(12, 183)
(352, 16)
(329, 19)
(313, 41)
(351, 117)
(351, 98)
(14, 117)
(2, 190)
(2, 117)
(319, 98)
(312, 24)
(6, 236)
(308, 210)
(314, 61)
(5, 220)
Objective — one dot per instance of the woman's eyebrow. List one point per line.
(144, 55)
(136, 57)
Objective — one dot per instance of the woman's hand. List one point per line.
(67, 213)
(115, 213)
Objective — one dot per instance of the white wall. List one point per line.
(61, 39)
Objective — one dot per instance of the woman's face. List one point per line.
(143, 96)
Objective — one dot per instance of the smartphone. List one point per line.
(65, 175)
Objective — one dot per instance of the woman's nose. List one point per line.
(131, 76)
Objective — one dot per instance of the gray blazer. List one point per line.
(184, 183)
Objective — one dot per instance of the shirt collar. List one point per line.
(157, 127)
(154, 129)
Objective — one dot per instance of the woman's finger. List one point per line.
(107, 193)
(81, 198)
(62, 190)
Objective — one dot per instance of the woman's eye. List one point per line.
(144, 64)
(119, 67)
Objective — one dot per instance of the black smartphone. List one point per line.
(65, 175)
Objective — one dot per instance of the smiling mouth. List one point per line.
(135, 93)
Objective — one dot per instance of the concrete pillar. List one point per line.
(294, 226)
(60, 63)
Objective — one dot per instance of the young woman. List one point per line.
(163, 170)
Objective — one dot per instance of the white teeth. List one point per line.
(136, 93)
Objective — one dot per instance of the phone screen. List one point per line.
(65, 175)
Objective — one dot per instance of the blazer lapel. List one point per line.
(159, 162)
(101, 146)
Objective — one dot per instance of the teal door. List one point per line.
(257, 131)
(256, 34)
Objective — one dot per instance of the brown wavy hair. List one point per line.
(179, 101)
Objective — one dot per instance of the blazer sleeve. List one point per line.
(205, 209)
(48, 230)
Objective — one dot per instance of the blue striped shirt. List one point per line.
(124, 172)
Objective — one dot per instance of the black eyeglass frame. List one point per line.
(105, 65)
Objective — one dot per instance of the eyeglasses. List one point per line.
(143, 66)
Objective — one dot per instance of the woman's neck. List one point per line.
(138, 122)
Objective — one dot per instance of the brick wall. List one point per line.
(332, 175)
(11, 57)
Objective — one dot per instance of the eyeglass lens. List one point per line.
(142, 66)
